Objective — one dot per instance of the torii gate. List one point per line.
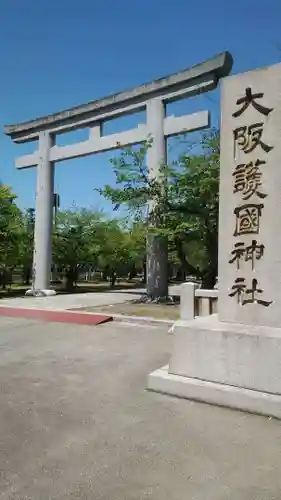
(151, 97)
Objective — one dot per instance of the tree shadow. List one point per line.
(102, 288)
(99, 287)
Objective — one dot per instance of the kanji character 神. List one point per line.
(251, 253)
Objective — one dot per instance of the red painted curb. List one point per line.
(55, 316)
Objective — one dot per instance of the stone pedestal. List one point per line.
(226, 364)
(40, 293)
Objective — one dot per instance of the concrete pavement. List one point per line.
(76, 422)
(79, 300)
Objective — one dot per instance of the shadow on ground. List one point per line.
(99, 287)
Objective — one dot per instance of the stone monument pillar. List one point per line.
(234, 358)
(250, 195)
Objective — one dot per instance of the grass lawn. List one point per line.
(132, 308)
(18, 289)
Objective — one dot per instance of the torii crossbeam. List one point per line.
(151, 97)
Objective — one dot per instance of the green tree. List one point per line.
(185, 204)
(193, 208)
(27, 243)
(115, 254)
(77, 242)
(136, 242)
(10, 232)
(143, 196)
(123, 250)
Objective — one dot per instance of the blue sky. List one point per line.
(57, 54)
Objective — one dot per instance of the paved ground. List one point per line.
(73, 301)
(77, 423)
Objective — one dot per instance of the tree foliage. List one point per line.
(185, 201)
(134, 188)
(10, 231)
(193, 207)
(76, 242)
(123, 251)
(86, 240)
(26, 244)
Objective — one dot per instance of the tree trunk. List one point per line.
(186, 267)
(68, 280)
(209, 276)
(4, 279)
(209, 279)
(133, 272)
(157, 267)
(181, 274)
(105, 273)
(27, 272)
(113, 277)
(144, 272)
(170, 271)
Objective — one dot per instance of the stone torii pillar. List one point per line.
(42, 259)
(157, 246)
(151, 97)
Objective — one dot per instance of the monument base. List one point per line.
(261, 403)
(39, 293)
(225, 364)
